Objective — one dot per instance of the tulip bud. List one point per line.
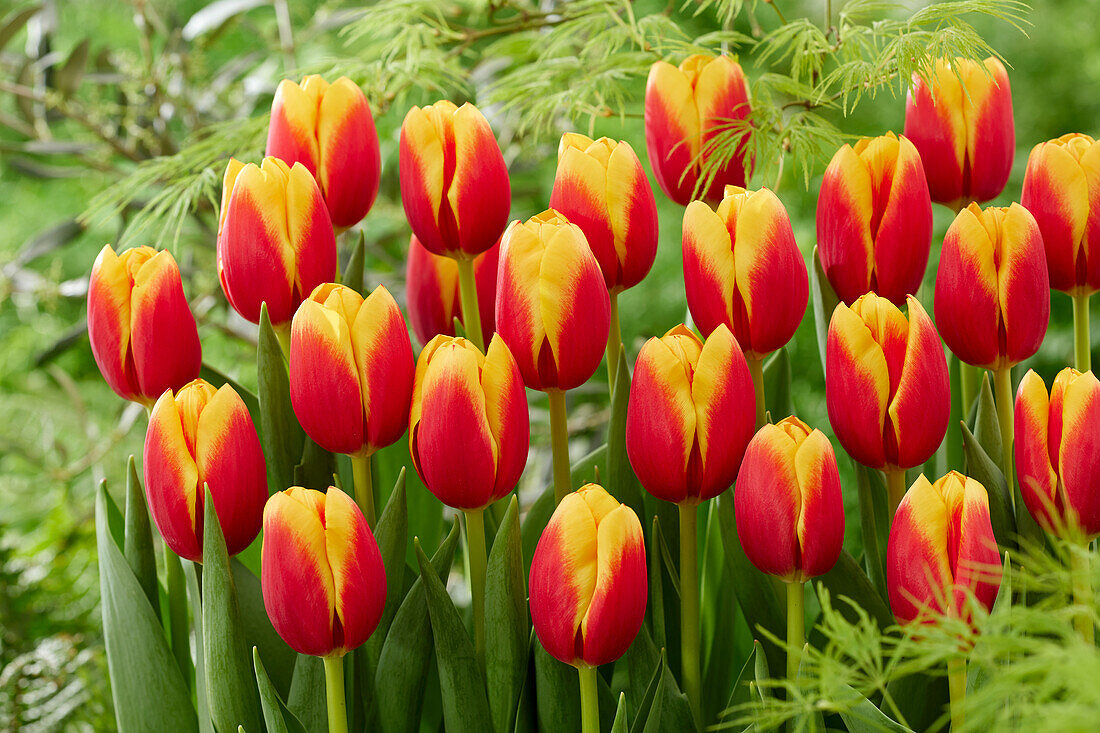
(552, 309)
(431, 291)
(941, 548)
(789, 510)
(1062, 192)
(686, 109)
(1058, 451)
(454, 183)
(743, 269)
(468, 427)
(691, 413)
(886, 384)
(275, 239)
(202, 436)
(600, 186)
(321, 572)
(143, 334)
(874, 220)
(992, 298)
(351, 369)
(588, 579)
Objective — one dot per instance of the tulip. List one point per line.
(329, 129)
(142, 332)
(432, 293)
(202, 436)
(960, 119)
(690, 111)
(1062, 192)
(886, 386)
(874, 220)
(351, 375)
(553, 312)
(275, 239)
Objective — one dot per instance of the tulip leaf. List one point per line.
(807, 718)
(718, 595)
(760, 670)
(777, 385)
(920, 699)
(277, 716)
(847, 580)
(988, 473)
(506, 621)
(583, 470)
(258, 631)
(217, 378)
(283, 438)
(230, 688)
(656, 584)
(620, 479)
(953, 440)
(987, 427)
(824, 300)
(391, 532)
(864, 717)
(138, 538)
(190, 573)
(307, 694)
(977, 673)
(461, 682)
(317, 467)
(138, 657)
(557, 694)
(663, 706)
(870, 528)
(739, 692)
(354, 272)
(645, 702)
(619, 725)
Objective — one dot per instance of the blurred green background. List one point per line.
(88, 89)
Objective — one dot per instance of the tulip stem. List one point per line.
(968, 385)
(467, 292)
(334, 687)
(796, 627)
(590, 704)
(475, 546)
(895, 488)
(1082, 353)
(689, 606)
(364, 486)
(956, 681)
(1002, 381)
(559, 438)
(1082, 593)
(756, 368)
(614, 343)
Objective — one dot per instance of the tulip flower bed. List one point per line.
(383, 519)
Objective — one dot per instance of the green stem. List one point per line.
(475, 546)
(956, 681)
(689, 606)
(1002, 382)
(1082, 593)
(179, 628)
(559, 438)
(1082, 353)
(282, 332)
(614, 343)
(895, 488)
(467, 293)
(756, 368)
(334, 689)
(968, 384)
(796, 627)
(364, 487)
(590, 710)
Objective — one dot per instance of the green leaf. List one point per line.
(217, 378)
(656, 584)
(847, 579)
(557, 694)
(824, 301)
(138, 538)
(988, 473)
(864, 717)
(987, 427)
(316, 469)
(138, 657)
(67, 78)
(258, 631)
(977, 673)
(953, 440)
(16, 21)
(777, 385)
(760, 670)
(307, 694)
(353, 273)
(620, 480)
(277, 716)
(462, 684)
(920, 698)
(869, 526)
(391, 532)
(671, 711)
(230, 688)
(739, 692)
(283, 436)
(619, 724)
(190, 573)
(645, 703)
(506, 621)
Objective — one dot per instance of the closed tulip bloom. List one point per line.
(686, 108)
(351, 369)
(323, 582)
(1062, 192)
(874, 220)
(588, 579)
(790, 514)
(468, 427)
(691, 414)
(941, 547)
(742, 268)
(1058, 451)
(600, 186)
(275, 238)
(454, 183)
(142, 331)
(992, 297)
(329, 129)
(886, 385)
(552, 309)
(962, 126)
(431, 290)
(201, 436)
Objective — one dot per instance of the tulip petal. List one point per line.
(632, 212)
(721, 97)
(857, 387)
(1038, 479)
(844, 216)
(291, 135)
(480, 194)
(423, 176)
(171, 480)
(966, 291)
(921, 405)
(767, 504)
(1056, 192)
(109, 323)
(580, 192)
(725, 413)
(1023, 291)
(990, 131)
(977, 563)
(672, 130)
(821, 519)
(904, 233)
(517, 313)
(917, 565)
(163, 335)
(350, 162)
(709, 271)
(618, 597)
(358, 577)
(507, 414)
(1079, 454)
(384, 359)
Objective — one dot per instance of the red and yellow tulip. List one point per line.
(742, 268)
(201, 436)
(468, 427)
(691, 414)
(329, 129)
(351, 369)
(992, 298)
(275, 238)
(686, 109)
(961, 122)
(874, 220)
(142, 331)
(886, 385)
(552, 310)
(323, 582)
(588, 579)
(941, 548)
(454, 183)
(432, 293)
(789, 510)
